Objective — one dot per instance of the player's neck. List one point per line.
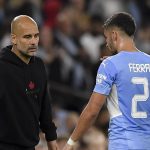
(127, 45)
(134, 49)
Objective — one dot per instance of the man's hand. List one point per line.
(52, 145)
(68, 147)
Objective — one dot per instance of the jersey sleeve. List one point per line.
(105, 78)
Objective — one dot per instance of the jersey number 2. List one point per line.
(139, 97)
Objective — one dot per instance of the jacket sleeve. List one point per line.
(46, 123)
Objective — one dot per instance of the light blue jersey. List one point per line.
(125, 78)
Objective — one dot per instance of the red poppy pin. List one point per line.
(31, 85)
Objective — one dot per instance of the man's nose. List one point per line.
(33, 41)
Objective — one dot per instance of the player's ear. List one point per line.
(114, 35)
(13, 39)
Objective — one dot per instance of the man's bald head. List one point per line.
(24, 37)
(20, 21)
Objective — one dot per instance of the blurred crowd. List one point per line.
(71, 45)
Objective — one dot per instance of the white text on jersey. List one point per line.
(139, 67)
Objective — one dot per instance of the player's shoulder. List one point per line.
(112, 59)
(113, 62)
(108, 62)
(145, 54)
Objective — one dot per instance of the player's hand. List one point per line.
(52, 145)
(68, 147)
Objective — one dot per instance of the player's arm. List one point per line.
(87, 118)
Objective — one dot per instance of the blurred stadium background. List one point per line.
(71, 45)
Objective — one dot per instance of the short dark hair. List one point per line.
(122, 20)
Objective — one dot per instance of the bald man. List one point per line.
(25, 106)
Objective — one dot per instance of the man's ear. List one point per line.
(13, 39)
(114, 35)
